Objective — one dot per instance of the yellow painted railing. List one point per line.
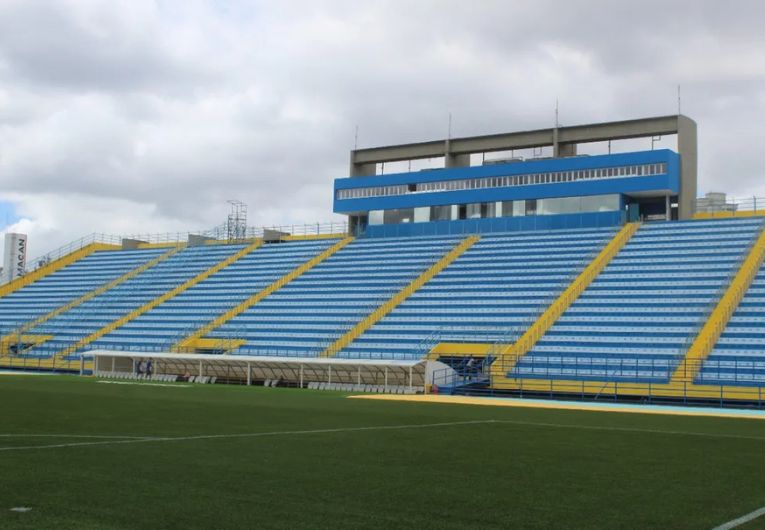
(399, 297)
(92, 294)
(31, 364)
(222, 344)
(707, 338)
(7, 342)
(190, 341)
(460, 349)
(630, 389)
(728, 214)
(53, 266)
(538, 329)
(159, 300)
(313, 236)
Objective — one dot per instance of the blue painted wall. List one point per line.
(497, 224)
(670, 181)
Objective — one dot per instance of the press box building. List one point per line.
(566, 190)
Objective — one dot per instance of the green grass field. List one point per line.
(530, 469)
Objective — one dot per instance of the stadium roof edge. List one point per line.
(256, 359)
(582, 133)
(564, 141)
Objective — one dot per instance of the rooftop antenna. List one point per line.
(448, 142)
(236, 224)
(557, 123)
(356, 138)
(679, 101)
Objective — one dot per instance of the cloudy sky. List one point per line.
(125, 116)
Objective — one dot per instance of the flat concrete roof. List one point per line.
(593, 132)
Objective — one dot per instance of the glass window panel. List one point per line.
(558, 205)
(600, 203)
(488, 209)
(402, 215)
(422, 215)
(376, 217)
(440, 213)
(474, 211)
(519, 208)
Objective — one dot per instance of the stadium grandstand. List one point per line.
(571, 275)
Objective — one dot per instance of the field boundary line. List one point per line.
(751, 516)
(144, 384)
(631, 429)
(248, 435)
(97, 436)
(123, 440)
(582, 406)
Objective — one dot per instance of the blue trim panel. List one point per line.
(670, 181)
(498, 224)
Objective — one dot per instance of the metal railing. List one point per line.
(715, 300)
(387, 306)
(633, 378)
(731, 206)
(218, 233)
(511, 335)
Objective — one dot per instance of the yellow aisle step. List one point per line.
(705, 341)
(399, 297)
(61, 355)
(53, 266)
(191, 342)
(92, 294)
(509, 355)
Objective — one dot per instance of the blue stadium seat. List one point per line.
(177, 318)
(71, 326)
(68, 284)
(309, 313)
(636, 320)
(494, 287)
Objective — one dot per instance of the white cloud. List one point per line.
(139, 115)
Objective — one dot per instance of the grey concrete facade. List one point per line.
(564, 141)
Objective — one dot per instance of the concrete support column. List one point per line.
(362, 170)
(566, 150)
(452, 160)
(687, 149)
(562, 148)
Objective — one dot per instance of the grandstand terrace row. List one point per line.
(633, 322)
(564, 285)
